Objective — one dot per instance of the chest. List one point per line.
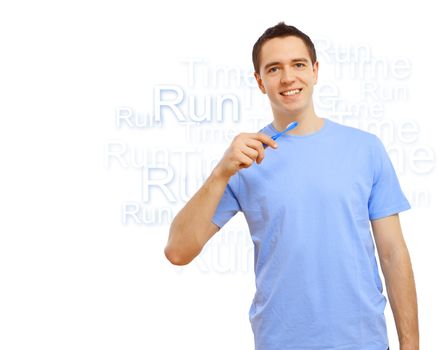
(310, 180)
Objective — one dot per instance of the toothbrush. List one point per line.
(291, 126)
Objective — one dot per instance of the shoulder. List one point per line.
(354, 135)
(267, 129)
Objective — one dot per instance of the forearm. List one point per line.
(400, 285)
(189, 230)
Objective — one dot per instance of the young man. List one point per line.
(308, 200)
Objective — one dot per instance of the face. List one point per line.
(287, 75)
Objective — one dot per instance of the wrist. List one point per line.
(412, 345)
(220, 175)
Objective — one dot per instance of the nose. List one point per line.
(287, 76)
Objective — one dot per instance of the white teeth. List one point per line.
(291, 92)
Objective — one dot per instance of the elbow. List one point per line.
(176, 258)
(180, 249)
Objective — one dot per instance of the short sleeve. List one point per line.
(387, 197)
(228, 205)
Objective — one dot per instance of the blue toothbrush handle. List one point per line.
(276, 136)
(272, 137)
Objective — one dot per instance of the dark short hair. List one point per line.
(278, 31)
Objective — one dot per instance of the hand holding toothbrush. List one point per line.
(245, 149)
(291, 126)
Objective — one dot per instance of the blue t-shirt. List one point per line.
(308, 206)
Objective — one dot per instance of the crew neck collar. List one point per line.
(321, 130)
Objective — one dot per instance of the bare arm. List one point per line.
(192, 227)
(399, 279)
(185, 242)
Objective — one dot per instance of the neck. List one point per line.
(308, 122)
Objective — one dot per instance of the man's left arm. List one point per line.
(399, 279)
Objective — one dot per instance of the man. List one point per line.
(308, 201)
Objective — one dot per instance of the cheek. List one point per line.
(270, 89)
(312, 78)
(273, 93)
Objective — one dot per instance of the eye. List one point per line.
(272, 70)
(300, 65)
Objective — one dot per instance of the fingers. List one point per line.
(244, 161)
(250, 152)
(265, 139)
(258, 146)
(247, 148)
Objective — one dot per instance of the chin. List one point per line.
(293, 111)
(289, 110)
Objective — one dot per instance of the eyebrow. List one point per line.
(303, 59)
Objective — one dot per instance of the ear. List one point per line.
(315, 72)
(260, 82)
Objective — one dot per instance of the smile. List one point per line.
(291, 92)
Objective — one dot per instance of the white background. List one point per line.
(73, 274)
